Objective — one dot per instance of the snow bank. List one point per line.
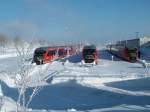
(7, 79)
(8, 105)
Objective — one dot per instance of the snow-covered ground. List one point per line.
(67, 85)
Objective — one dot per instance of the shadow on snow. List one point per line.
(68, 95)
(104, 54)
(132, 85)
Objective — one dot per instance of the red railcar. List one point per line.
(89, 54)
(47, 54)
(127, 53)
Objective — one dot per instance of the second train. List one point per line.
(124, 52)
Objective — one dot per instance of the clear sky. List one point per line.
(75, 20)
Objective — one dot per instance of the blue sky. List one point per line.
(75, 20)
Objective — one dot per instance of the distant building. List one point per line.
(136, 43)
(145, 41)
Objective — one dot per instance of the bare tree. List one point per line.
(23, 77)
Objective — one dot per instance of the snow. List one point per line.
(7, 56)
(7, 79)
(8, 104)
(67, 85)
(123, 108)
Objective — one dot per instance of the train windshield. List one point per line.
(89, 54)
(39, 52)
(88, 51)
(132, 52)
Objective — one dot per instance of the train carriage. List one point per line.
(130, 54)
(47, 54)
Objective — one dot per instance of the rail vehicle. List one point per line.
(89, 54)
(130, 54)
(48, 54)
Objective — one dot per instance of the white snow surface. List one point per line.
(69, 86)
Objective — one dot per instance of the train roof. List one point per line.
(89, 47)
(41, 48)
(49, 47)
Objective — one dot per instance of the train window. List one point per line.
(131, 50)
(40, 52)
(51, 53)
(60, 52)
(88, 51)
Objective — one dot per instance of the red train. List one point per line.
(47, 54)
(127, 53)
(89, 54)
